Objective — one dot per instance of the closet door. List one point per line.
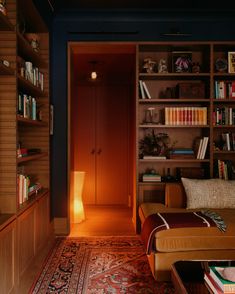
(84, 140)
(112, 144)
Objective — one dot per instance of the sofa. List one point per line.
(192, 243)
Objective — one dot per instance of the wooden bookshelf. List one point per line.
(206, 54)
(24, 229)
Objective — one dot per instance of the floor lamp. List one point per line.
(79, 215)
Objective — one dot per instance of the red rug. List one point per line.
(95, 265)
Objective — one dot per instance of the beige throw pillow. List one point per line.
(212, 193)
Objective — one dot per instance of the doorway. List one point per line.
(102, 125)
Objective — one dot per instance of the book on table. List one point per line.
(225, 285)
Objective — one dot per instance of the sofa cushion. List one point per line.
(192, 239)
(212, 193)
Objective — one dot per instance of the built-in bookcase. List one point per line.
(184, 92)
(18, 130)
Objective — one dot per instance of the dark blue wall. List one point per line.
(114, 26)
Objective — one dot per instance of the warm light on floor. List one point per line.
(79, 215)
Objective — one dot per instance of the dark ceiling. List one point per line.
(62, 5)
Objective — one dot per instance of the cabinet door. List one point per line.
(26, 239)
(112, 144)
(41, 221)
(7, 257)
(83, 136)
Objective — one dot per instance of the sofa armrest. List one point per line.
(175, 195)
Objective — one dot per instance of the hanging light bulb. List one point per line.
(93, 75)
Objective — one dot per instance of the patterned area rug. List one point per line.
(95, 265)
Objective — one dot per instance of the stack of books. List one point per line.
(216, 282)
(151, 178)
(182, 153)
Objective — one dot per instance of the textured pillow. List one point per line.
(212, 193)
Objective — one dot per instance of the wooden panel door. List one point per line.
(100, 130)
(84, 136)
(112, 144)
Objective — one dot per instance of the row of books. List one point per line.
(144, 92)
(225, 169)
(27, 106)
(31, 73)
(224, 89)
(223, 116)
(185, 115)
(25, 188)
(228, 139)
(217, 279)
(202, 147)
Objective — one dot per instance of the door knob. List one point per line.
(99, 151)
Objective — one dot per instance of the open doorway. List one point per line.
(101, 141)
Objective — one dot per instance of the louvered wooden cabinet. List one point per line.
(24, 227)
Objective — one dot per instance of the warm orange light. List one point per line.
(79, 215)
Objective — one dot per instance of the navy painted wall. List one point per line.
(113, 26)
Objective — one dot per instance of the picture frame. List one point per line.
(51, 119)
(181, 61)
(231, 62)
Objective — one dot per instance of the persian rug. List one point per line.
(98, 265)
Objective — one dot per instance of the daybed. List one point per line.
(192, 243)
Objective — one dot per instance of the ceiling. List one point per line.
(62, 5)
(112, 62)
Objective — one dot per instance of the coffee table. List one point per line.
(188, 276)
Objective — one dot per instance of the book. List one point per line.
(225, 285)
(153, 157)
(142, 89)
(199, 149)
(204, 147)
(211, 284)
(146, 90)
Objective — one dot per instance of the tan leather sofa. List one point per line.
(187, 243)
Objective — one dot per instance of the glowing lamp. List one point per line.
(78, 209)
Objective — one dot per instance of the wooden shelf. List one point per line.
(26, 51)
(31, 157)
(5, 24)
(172, 126)
(175, 100)
(5, 70)
(174, 160)
(173, 76)
(224, 152)
(30, 122)
(30, 88)
(224, 100)
(223, 126)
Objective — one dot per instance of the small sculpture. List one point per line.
(162, 66)
(149, 65)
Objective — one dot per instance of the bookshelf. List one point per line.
(183, 91)
(24, 228)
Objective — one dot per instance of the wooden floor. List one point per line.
(105, 221)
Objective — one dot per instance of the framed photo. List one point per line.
(231, 62)
(51, 119)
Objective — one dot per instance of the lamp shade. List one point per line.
(78, 208)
